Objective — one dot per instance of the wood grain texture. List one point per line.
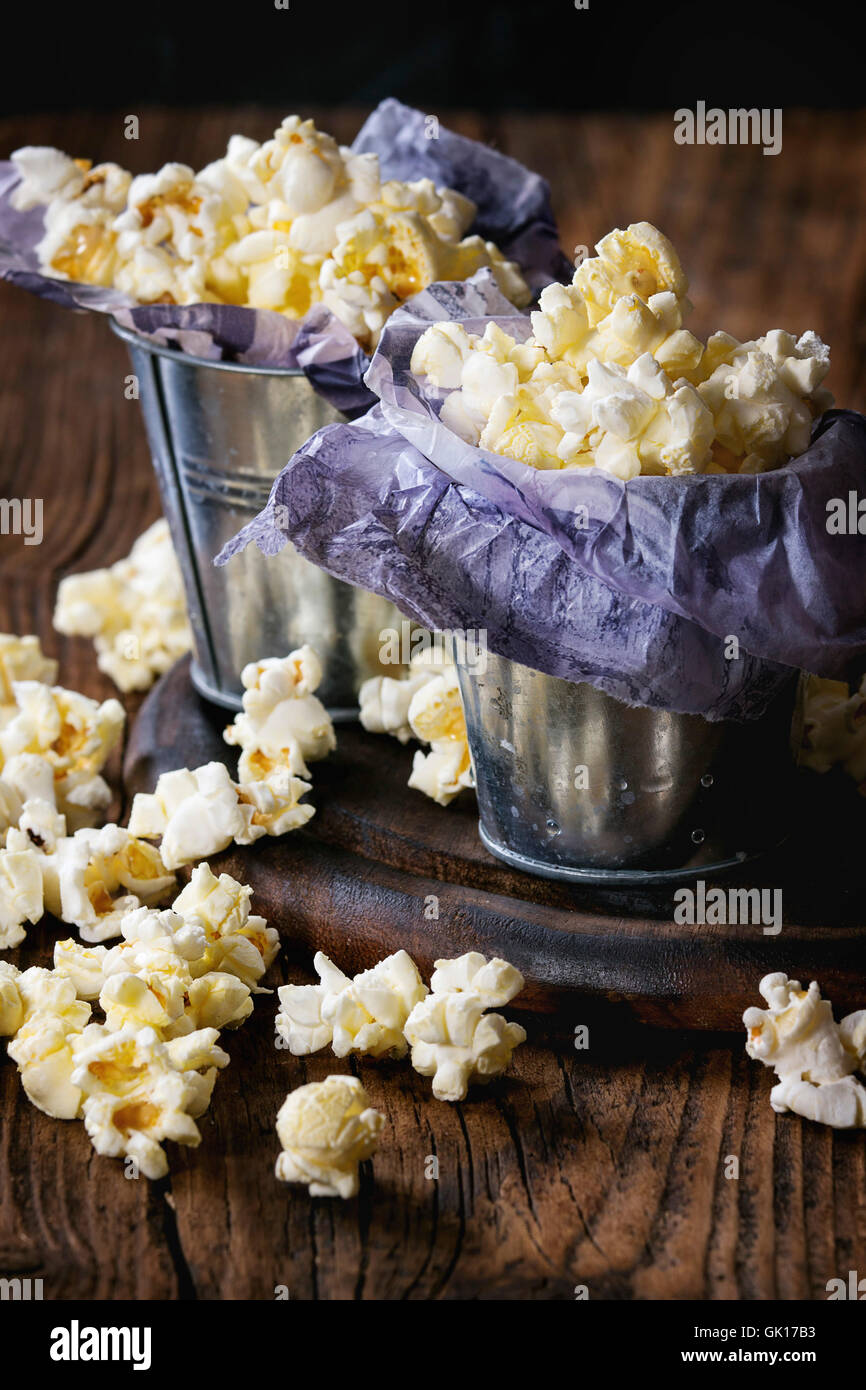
(602, 1167)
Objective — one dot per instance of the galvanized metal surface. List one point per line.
(573, 784)
(219, 434)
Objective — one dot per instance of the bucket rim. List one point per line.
(139, 340)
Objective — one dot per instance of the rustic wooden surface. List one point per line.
(603, 1167)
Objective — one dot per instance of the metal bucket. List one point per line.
(573, 784)
(219, 434)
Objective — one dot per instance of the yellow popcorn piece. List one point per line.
(21, 659)
(137, 1092)
(134, 612)
(436, 717)
(96, 877)
(366, 1014)
(326, 1129)
(21, 894)
(834, 728)
(49, 1019)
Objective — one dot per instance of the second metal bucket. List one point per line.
(219, 434)
(576, 785)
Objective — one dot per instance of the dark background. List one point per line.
(616, 55)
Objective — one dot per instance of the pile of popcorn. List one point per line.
(135, 611)
(813, 1057)
(609, 378)
(426, 705)
(282, 225)
(147, 1072)
(327, 1128)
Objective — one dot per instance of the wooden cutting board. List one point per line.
(381, 867)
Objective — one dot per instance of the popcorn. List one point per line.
(384, 701)
(95, 877)
(237, 941)
(138, 1091)
(74, 734)
(21, 894)
(11, 1003)
(134, 611)
(452, 1038)
(21, 659)
(51, 1018)
(436, 717)
(283, 723)
(199, 814)
(284, 225)
(326, 1130)
(365, 1014)
(610, 378)
(812, 1055)
(835, 728)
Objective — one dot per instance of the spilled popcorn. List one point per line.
(426, 705)
(813, 1057)
(387, 1010)
(326, 1129)
(134, 611)
(609, 378)
(283, 725)
(296, 221)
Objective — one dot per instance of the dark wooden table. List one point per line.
(604, 1167)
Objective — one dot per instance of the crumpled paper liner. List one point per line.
(639, 601)
(513, 209)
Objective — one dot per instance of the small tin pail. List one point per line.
(573, 784)
(219, 434)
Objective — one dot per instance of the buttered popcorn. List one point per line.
(609, 378)
(283, 724)
(21, 659)
(95, 877)
(326, 1130)
(295, 221)
(365, 1014)
(236, 941)
(834, 728)
(134, 611)
(814, 1057)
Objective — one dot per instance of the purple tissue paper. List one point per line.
(514, 209)
(635, 587)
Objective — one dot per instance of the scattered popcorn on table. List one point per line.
(326, 1130)
(384, 700)
(21, 894)
(137, 1091)
(237, 941)
(134, 611)
(21, 659)
(365, 1014)
(834, 728)
(608, 378)
(812, 1055)
(283, 724)
(199, 814)
(284, 225)
(452, 1038)
(51, 1016)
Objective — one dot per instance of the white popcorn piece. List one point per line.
(452, 1038)
(435, 716)
(74, 734)
(12, 1009)
(366, 1014)
(95, 877)
(137, 1091)
(81, 202)
(283, 724)
(134, 611)
(237, 941)
(198, 814)
(384, 700)
(21, 894)
(83, 965)
(22, 659)
(326, 1130)
(812, 1055)
(52, 1017)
